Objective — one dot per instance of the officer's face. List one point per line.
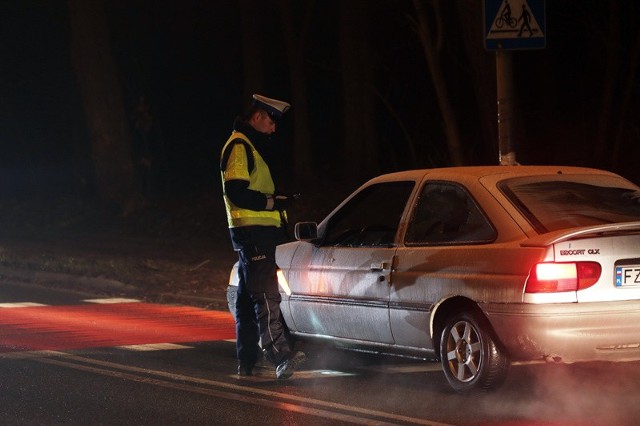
(263, 123)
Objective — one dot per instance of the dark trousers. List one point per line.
(258, 317)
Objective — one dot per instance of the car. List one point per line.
(476, 267)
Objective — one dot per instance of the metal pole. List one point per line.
(504, 73)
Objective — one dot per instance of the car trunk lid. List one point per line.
(616, 247)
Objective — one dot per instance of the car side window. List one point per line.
(446, 214)
(370, 218)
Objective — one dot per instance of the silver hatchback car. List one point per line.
(474, 266)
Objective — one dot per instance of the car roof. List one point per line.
(478, 172)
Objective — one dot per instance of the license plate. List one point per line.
(627, 276)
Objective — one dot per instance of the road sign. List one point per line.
(514, 24)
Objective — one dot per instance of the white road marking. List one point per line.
(267, 375)
(155, 347)
(111, 300)
(423, 367)
(20, 305)
(29, 354)
(247, 394)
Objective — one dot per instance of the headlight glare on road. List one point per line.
(282, 281)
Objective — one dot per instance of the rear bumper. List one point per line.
(568, 332)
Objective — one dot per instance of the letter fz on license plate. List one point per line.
(627, 276)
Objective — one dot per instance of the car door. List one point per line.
(345, 290)
(445, 245)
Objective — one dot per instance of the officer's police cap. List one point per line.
(273, 107)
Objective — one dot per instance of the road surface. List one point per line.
(68, 358)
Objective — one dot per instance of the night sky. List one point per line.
(185, 58)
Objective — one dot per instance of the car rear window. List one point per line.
(552, 204)
(446, 214)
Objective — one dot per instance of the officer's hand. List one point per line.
(281, 202)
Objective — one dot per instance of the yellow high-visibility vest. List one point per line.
(259, 178)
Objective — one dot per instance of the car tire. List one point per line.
(471, 358)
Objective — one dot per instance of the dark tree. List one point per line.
(104, 106)
(295, 37)
(360, 136)
(430, 34)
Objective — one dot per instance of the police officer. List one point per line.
(255, 214)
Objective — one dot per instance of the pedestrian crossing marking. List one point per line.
(107, 325)
(113, 300)
(105, 301)
(19, 305)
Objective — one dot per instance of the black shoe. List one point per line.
(286, 368)
(263, 369)
(245, 370)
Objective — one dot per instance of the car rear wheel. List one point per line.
(471, 358)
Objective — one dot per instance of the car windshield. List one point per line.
(556, 203)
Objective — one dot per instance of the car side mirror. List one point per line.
(306, 231)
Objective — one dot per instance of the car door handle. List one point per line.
(379, 267)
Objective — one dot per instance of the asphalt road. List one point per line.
(69, 358)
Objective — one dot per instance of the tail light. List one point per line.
(559, 277)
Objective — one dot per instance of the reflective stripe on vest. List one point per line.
(259, 180)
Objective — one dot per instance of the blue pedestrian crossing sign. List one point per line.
(514, 24)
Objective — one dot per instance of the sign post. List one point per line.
(511, 25)
(504, 86)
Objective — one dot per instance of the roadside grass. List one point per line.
(174, 247)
